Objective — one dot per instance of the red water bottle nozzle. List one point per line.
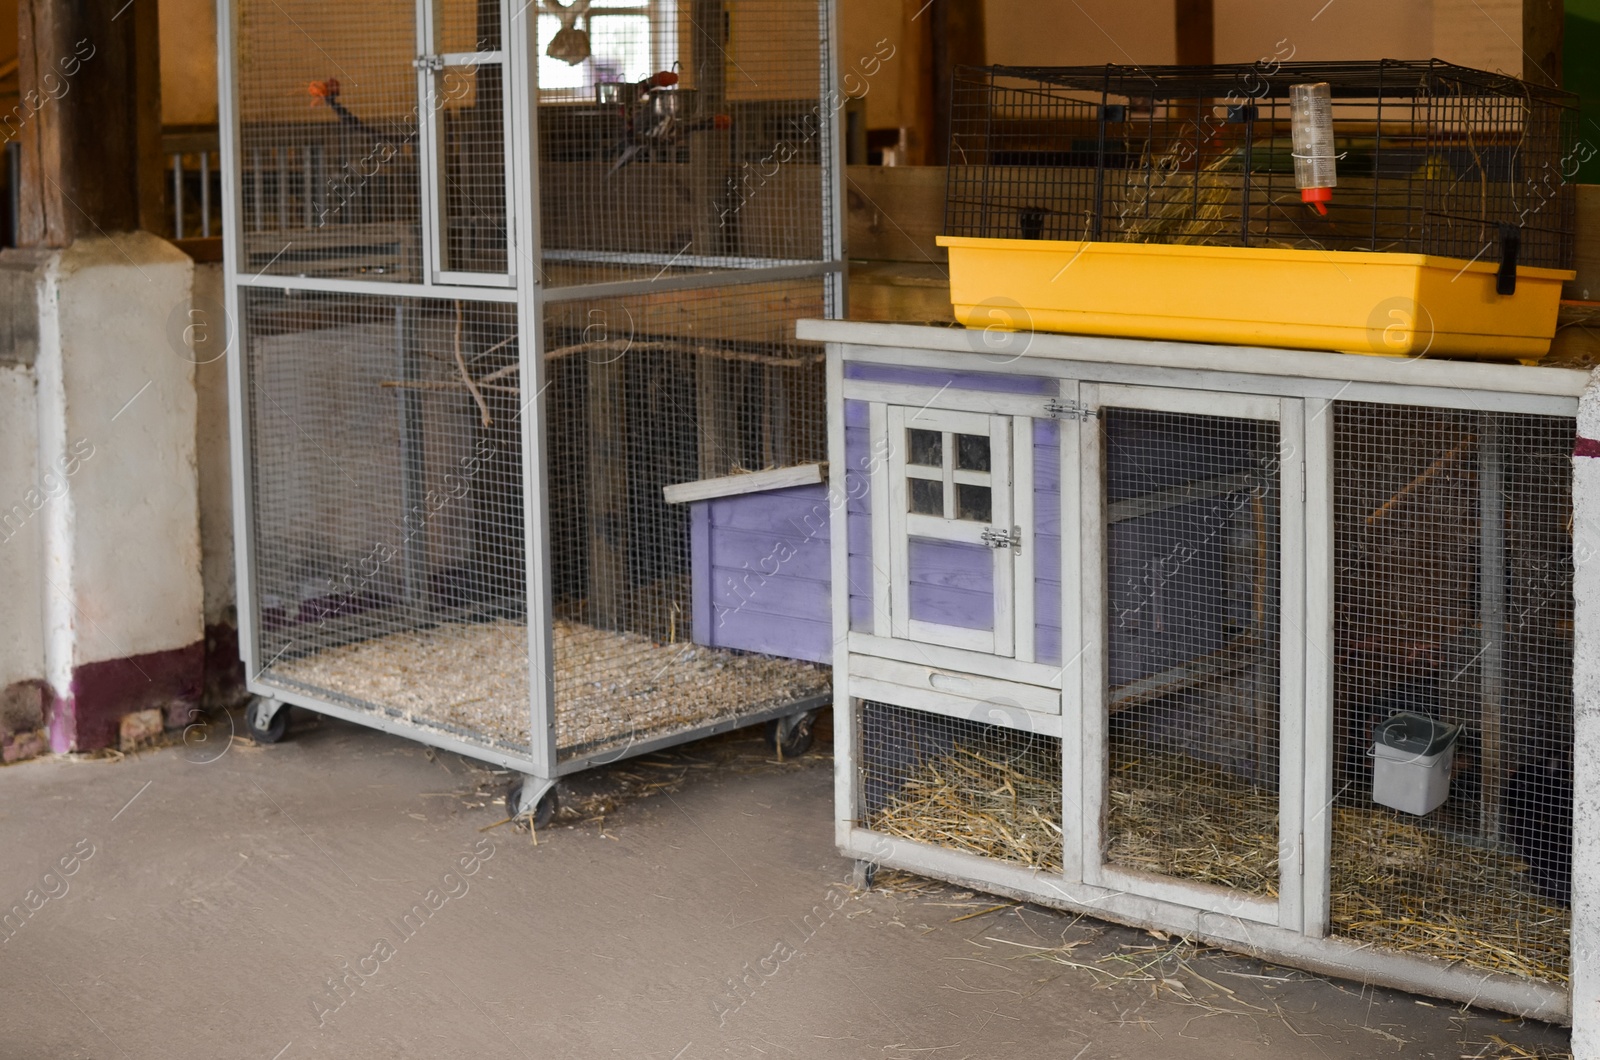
(1317, 197)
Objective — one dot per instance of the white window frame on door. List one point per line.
(1288, 910)
(432, 69)
(903, 524)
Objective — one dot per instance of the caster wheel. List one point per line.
(270, 732)
(542, 813)
(791, 737)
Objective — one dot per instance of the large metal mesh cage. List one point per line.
(505, 272)
(1431, 158)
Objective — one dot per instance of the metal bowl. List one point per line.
(616, 93)
(679, 104)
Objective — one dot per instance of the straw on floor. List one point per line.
(1394, 882)
(472, 678)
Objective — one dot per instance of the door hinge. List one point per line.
(1302, 480)
(1068, 410)
(1302, 853)
(997, 537)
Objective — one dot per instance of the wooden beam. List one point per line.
(1542, 24)
(916, 82)
(89, 122)
(779, 478)
(958, 40)
(1195, 24)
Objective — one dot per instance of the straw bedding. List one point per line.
(982, 801)
(610, 687)
(1395, 883)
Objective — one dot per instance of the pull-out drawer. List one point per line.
(956, 694)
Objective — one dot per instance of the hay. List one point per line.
(1175, 816)
(1395, 883)
(1398, 885)
(611, 688)
(980, 802)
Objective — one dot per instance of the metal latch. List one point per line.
(434, 63)
(998, 537)
(1069, 410)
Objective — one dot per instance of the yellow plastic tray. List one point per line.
(1400, 305)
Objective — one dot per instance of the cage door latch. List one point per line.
(1069, 410)
(999, 537)
(433, 63)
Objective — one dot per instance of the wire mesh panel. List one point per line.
(1454, 602)
(386, 460)
(1431, 158)
(644, 392)
(968, 785)
(467, 90)
(1192, 537)
(473, 223)
(329, 129)
(686, 137)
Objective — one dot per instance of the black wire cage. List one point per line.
(1431, 158)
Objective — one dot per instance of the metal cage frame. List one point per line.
(1297, 388)
(533, 302)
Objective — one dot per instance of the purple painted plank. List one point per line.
(770, 555)
(987, 381)
(1047, 646)
(789, 637)
(1046, 559)
(1047, 541)
(858, 509)
(797, 513)
(761, 572)
(948, 563)
(952, 607)
(741, 591)
(700, 561)
(1046, 472)
(951, 583)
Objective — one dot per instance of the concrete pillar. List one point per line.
(118, 594)
(1586, 736)
(23, 495)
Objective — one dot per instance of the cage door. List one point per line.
(951, 531)
(461, 72)
(1192, 700)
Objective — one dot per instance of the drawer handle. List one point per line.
(948, 682)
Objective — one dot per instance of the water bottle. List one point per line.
(1311, 117)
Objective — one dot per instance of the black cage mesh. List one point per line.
(1432, 158)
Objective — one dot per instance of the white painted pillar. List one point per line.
(118, 562)
(1586, 752)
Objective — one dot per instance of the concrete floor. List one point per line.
(695, 908)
